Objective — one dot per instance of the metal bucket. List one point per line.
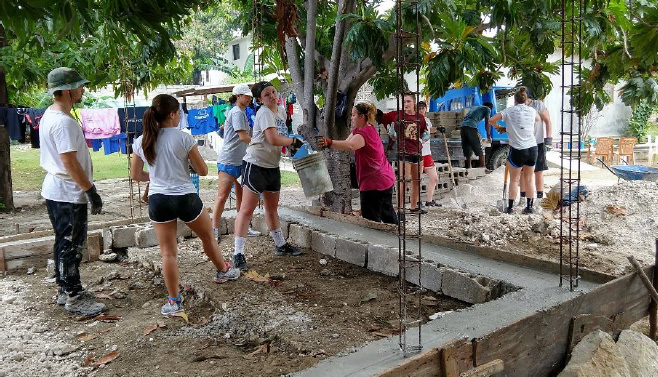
(313, 174)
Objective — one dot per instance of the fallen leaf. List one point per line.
(84, 337)
(182, 315)
(253, 275)
(616, 210)
(149, 329)
(107, 358)
(88, 361)
(108, 318)
(106, 330)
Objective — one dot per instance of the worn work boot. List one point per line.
(61, 297)
(231, 274)
(287, 249)
(84, 304)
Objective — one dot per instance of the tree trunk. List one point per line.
(6, 193)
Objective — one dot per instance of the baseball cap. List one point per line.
(65, 78)
(242, 89)
(422, 104)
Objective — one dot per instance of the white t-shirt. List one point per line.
(520, 121)
(259, 151)
(60, 133)
(170, 174)
(540, 130)
(426, 144)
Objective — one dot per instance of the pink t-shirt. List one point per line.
(100, 123)
(373, 171)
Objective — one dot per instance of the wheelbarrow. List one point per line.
(633, 172)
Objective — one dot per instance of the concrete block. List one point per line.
(383, 259)
(107, 239)
(123, 236)
(146, 237)
(259, 224)
(323, 243)
(25, 253)
(352, 252)
(431, 276)
(94, 246)
(284, 229)
(300, 235)
(222, 227)
(463, 287)
(230, 225)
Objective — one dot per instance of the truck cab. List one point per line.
(460, 100)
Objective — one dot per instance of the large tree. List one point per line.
(124, 43)
(333, 47)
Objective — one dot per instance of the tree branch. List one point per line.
(309, 64)
(295, 68)
(336, 54)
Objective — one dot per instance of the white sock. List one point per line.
(277, 236)
(239, 245)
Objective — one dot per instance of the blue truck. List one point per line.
(463, 98)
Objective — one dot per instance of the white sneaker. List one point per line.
(252, 233)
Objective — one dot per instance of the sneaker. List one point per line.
(252, 233)
(287, 249)
(84, 304)
(432, 204)
(528, 211)
(172, 307)
(61, 297)
(509, 210)
(418, 210)
(240, 262)
(231, 274)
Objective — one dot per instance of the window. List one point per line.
(236, 52)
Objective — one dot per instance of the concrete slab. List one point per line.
(538, 291)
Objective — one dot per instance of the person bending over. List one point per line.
(469, 132)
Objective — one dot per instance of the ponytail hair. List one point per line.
(161, 107)
(366, 109)
(521, 95)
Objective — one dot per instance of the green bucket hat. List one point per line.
(64, 78)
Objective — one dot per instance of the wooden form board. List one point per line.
(537, 345)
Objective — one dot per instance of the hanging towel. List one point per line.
(100, 123)
(201, 121)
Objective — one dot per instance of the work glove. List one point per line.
(296, 144)
(548, 143)
(323, 142)
(442, 129)
(426, 136)
(95, 200)
(391, 131)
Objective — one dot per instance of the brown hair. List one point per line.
(367, 109)
(232, 99)
(521, 96)
(161, 107)
(258, 88)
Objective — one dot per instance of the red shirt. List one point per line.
(373, 171)
(412, 131)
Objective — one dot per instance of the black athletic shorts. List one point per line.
(413, 158)
(259, 180)
(520, 157)
(471, 141)
(541, 164)
(165, 208)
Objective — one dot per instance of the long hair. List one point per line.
(161, 107)
(367, 109)
(521, 95)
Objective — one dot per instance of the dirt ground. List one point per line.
(309, 312)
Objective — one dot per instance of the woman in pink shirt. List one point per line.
(373, 171)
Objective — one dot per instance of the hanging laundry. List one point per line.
(219, 112)
(100, 123)
(250, 111)
(96, 144)
(201, 121)
(9, 117)
(33, 117)
(131, 122)
(182, 124)
(114, 144)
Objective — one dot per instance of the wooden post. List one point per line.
(644, 278)
(653, 307)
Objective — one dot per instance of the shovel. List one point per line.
(502, 203)
(452, 175)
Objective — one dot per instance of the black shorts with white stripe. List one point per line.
(259, 179)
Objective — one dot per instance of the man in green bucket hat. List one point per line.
(68, 187)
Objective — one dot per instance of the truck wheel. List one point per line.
(498, 157)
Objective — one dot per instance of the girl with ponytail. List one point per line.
(373, 171)
(167, 151)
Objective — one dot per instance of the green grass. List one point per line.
(27, 174)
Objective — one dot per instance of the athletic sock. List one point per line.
(540, 194)
(277, 236)
(530, 202)
(238, 242)
(523, 194)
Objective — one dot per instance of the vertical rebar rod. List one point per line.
(653, 307)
